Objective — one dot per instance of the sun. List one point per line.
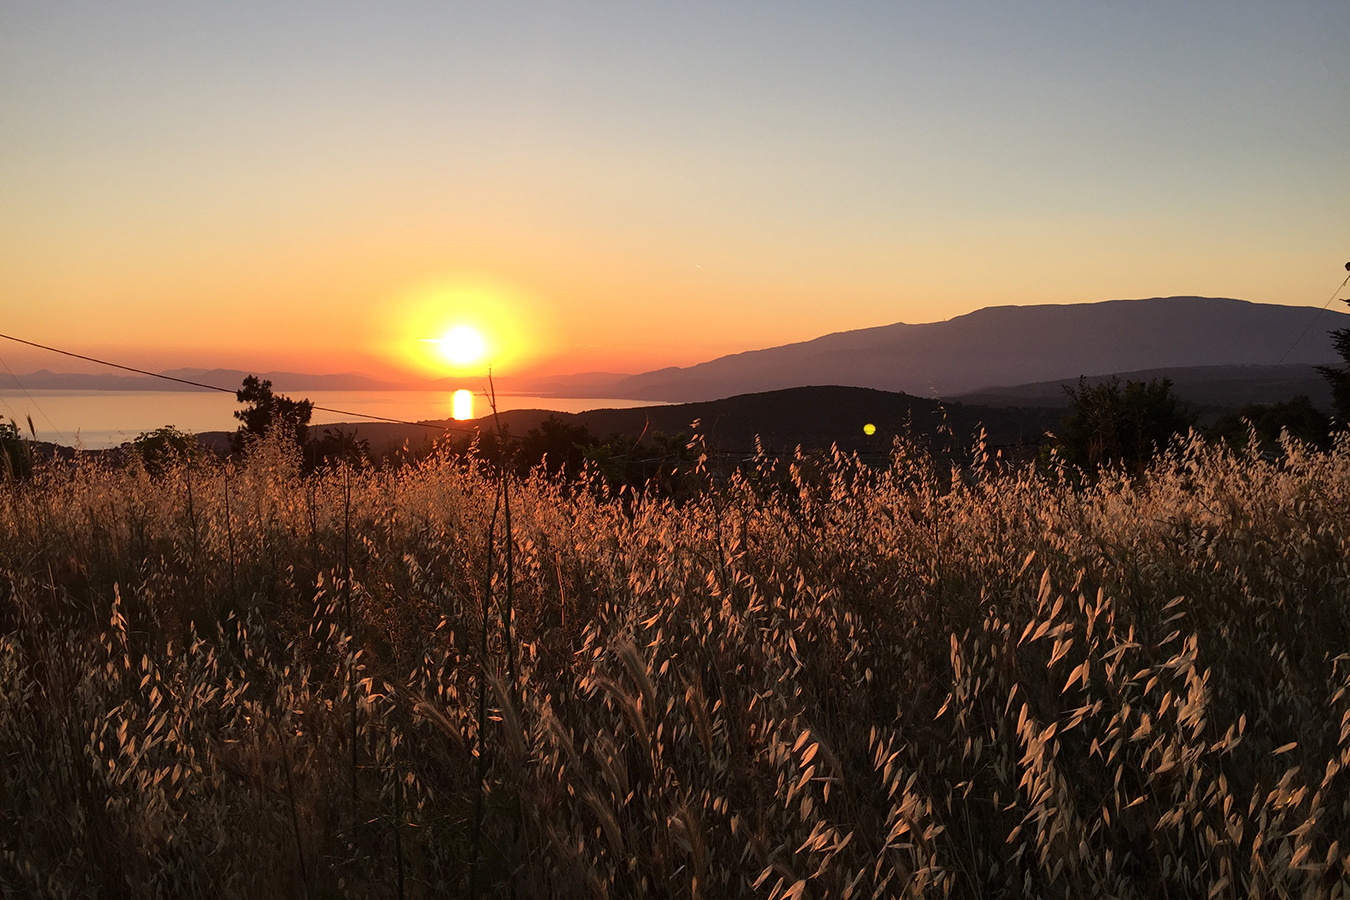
(462, 345)
(458, 326)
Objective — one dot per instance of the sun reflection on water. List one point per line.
(462, 405)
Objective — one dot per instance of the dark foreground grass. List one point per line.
(812, 680)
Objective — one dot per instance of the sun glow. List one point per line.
(463, 327)
(462, 345)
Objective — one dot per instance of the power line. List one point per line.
(40, 410)
(212, 387)
(1315, 317)
(711, 453)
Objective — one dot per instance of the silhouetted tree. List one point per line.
(16, 457)
(162, 448)
(1297, 416)
(1108, 425)
(1339, 376)
(338, 446)
(268, 411)
(557, 446)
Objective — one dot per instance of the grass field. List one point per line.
(810, 679)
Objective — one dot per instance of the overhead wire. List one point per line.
(1315, 317)
(709, 452)
(443, 428)
(5, 403)
(42, 412)
(213, 387)
(713, 453)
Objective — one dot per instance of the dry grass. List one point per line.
(814, 680)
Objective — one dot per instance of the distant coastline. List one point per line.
(99, 419)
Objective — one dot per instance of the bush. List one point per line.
(1110, 426)
(1339, 376)
(164, 448)
(1268, 422)
(16, 458)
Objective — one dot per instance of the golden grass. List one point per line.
(810, 680)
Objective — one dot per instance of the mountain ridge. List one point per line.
(1013, 345)
(980, 352)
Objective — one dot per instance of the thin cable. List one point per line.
(42, 412)
(5, 403)
(721, 454)
(1315, 317)
(212, 387)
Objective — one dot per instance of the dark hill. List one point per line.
(812, 417)
(1208, 387)
(815, 418)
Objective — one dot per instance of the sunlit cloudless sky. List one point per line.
(622, 186)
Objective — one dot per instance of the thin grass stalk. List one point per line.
(295, 815)
(347, 613)
(314, 522)
(398, 814)
(481, 740)
(229, 538)
(508, 616)
(514, 695)
(192, 518)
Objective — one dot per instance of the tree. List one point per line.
(1107, 425)
(16, 457)
(163, 448)
(338, 446)
(556, 445)
(1298, 417)
(1339, 376)
(269, 412)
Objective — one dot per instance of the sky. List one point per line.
(323, 186)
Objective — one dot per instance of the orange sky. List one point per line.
(615, 189)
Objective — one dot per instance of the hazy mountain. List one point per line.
(293, 381)
(1266, 349)
(581, 384)
(231, 379)
(1015, 345)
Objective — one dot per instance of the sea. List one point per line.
(96, 420)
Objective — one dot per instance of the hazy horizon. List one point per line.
(63, 364)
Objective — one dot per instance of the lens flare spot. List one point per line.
(869, 429)
(462, 405)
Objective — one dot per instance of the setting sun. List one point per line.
(462, 345)
(462, 325)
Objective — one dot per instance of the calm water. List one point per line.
(97, 419)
